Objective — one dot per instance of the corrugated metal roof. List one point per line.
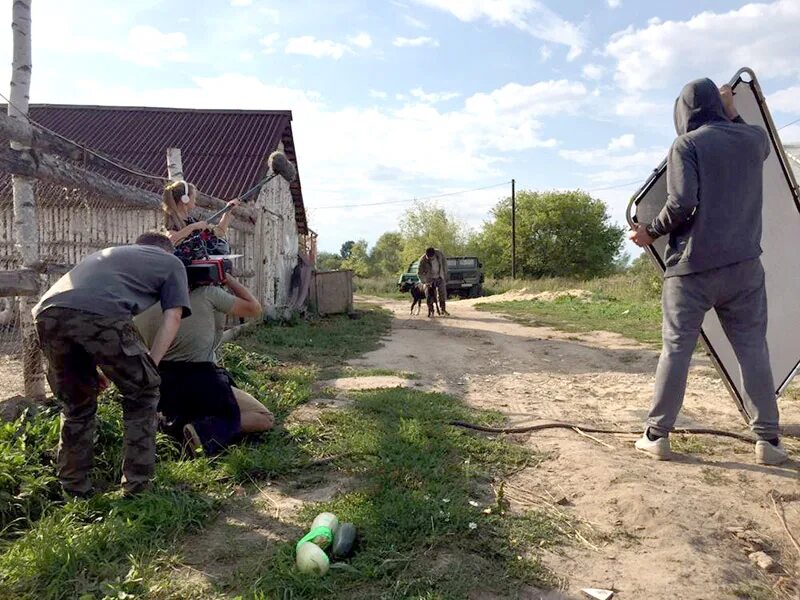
(224, 151)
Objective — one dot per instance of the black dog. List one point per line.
(418, 294)
(432, 297)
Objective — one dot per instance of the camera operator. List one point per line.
(198, 398)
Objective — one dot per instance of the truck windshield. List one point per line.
(462, 263)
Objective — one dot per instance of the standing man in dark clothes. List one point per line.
(432, 271)
(84, 322)
(713, 219)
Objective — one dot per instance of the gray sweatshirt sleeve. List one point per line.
(682, 188)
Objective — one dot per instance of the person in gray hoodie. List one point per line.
(713, 219)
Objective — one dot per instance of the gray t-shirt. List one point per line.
(121, 282)
(199, 335)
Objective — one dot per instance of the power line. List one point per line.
(86, 148)
(614, 187)
(789, 123)
(445, 195)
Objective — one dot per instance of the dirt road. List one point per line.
(661, 529)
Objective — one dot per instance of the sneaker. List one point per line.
(767, 454)
(658, 449)
(194, 446)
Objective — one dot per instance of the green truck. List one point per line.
(464, 277)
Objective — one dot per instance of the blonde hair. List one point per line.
(169, 204)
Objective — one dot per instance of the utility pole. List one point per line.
(513, 231)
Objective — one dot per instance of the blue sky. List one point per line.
(411, 98)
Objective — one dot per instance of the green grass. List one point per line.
(414, 478)
(339, 372)
(323, 342)
(52, 548)
(417, 476)
(636, 319)
(383, 287)
(753, 590)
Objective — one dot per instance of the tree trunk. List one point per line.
(26, 231)
(174, 164)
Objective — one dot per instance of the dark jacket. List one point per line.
(426, 266)
(714, 185)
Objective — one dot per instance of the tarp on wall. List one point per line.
(779, 242)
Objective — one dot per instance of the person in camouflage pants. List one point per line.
(75, 343)
(85, 322)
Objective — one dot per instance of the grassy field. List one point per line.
(430, 526)
(634, 319)
(626, 304)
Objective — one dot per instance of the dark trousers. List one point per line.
(199, 394)
(75, 343)
(738, 295)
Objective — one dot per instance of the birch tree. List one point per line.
(26, 232)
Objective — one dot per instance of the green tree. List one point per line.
(386, 257)
(425, 225)
(559, 234)
(328, 261)
(358, 259)
(346, 248)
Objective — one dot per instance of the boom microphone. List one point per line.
(280, 165)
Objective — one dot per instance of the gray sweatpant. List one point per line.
(738, 295)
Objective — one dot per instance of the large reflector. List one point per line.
(780, 243)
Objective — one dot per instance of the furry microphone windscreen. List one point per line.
(281, 165)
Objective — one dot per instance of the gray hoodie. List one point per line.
(714, 185)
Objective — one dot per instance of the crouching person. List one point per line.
(198, 398)
(84, 322)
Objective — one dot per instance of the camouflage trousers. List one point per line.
(75, 344)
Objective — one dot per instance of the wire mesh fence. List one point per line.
(73, 223)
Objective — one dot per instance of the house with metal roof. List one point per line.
(224, 153)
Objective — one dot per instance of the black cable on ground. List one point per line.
(558, 425)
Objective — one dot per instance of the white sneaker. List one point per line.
(767, 454)
(658, 449)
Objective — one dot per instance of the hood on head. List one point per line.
(699, 103)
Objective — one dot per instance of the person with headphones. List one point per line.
(178, 202)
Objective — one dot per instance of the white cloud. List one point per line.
(308, 45)
(786, 100)
(433, 97)
(637, 107)
(414, 22)
(614, 3)
(663, 54)
(531, 16)
(268, 42)
(149, 47)
(608, 166)
(622, 142)
(593, 72)
(241, 2)
(246, 56)
(361, 40)
(378, 94)
(416, 42)
(545, 53)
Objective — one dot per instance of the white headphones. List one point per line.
(185, 198)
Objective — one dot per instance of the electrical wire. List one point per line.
(445, 195)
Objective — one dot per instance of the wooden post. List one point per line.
(174, 164)
(513, 231)
(26, 228)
